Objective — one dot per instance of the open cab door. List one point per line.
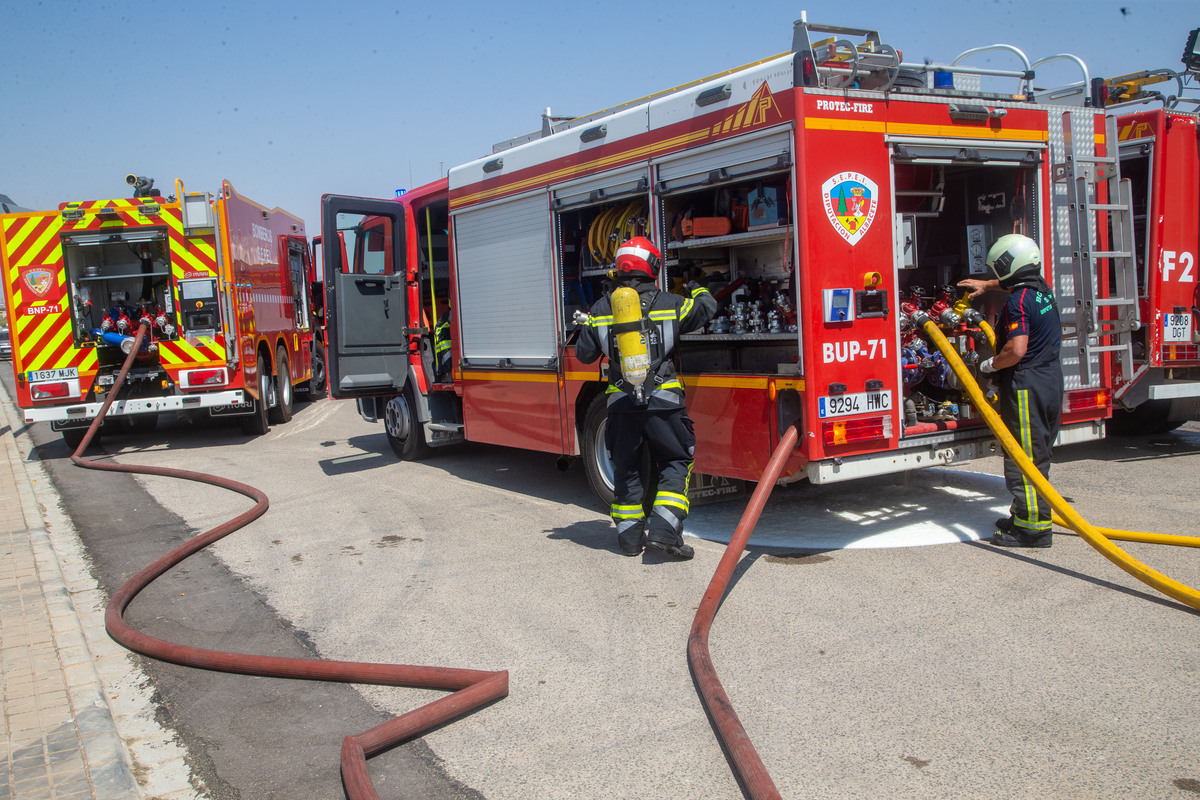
(366, 314)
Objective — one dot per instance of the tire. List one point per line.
(596, 461)
(598, 464)
(256, 424)
(405, 432)
(282, 412)
(910, 79)
(74, 436)
(316, 384)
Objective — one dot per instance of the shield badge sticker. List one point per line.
(38, 281)
(850, 201)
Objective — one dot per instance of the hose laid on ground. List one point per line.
(747, 764)
(1070, 518)
(472, 689)
(1177, 540)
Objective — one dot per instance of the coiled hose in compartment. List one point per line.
(471, 689)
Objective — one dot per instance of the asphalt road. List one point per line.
(859, 668)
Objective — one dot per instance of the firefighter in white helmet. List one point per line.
(645, 397)
(1028, 338)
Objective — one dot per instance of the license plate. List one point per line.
(39, 375)
(840, 405)
(1177, 327)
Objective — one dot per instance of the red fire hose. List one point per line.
(733, 736)
(471, 689)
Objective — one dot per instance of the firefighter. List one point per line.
(646, 405)
(1026, 365)
(442, 339)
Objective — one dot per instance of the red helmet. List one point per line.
(638, 255)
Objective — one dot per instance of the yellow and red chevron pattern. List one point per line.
(41, 324)
(36, 281)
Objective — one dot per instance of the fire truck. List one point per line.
(220, 283)
(1159, 388)
(823, 195)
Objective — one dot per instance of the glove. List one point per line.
(986, 366)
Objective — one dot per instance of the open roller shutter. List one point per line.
(760, 154)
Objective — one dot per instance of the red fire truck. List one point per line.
(823, 195)
(220, 282)
(1158, 134)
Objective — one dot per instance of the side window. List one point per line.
(363, 244)
(374, 257)
(296, 268)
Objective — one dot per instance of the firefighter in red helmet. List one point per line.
(649, 410)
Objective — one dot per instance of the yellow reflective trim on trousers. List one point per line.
(675, 499)
(626, 512)
(1031, 498)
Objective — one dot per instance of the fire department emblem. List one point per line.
(850, 201)
(38, 281)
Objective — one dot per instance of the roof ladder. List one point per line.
(1106, 310)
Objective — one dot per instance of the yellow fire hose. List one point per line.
(1112, 533)
(1067, 516)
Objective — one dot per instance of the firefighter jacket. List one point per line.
(666, 317)
(1031, 311)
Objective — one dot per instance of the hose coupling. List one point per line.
(919, 318)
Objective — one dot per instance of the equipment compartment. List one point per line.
(735, 238)
(114, 281)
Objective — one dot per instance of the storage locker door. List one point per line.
(506, 283)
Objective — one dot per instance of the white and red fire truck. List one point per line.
(1158, 139)
(823, 195)
(222, 284)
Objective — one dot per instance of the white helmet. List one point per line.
(1015, 259)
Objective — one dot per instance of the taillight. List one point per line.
(198, 378)
(1180, 352)
(50, 391)
(856, 430)
(1088, 399)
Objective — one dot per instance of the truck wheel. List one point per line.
(282, 412)
(74, 436)
(256, 424)
(596, 462)
(316, 384)
(599, 466)
(405, 432)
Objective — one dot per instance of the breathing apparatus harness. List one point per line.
(635, 343)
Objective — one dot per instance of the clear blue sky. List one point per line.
(293, 100)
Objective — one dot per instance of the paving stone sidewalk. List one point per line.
(78, 714)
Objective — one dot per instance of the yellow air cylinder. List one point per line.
(631, 344)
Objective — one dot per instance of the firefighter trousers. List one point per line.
(670, 441)
(1031, 407)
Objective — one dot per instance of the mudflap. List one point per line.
(708, 489)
